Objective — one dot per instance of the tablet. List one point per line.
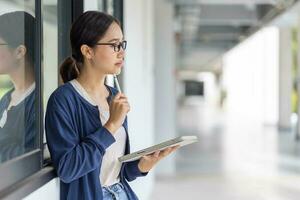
(181, 141)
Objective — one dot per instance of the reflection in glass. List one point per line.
(18, 133)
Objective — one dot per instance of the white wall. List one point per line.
(165, 85)
(251, 77)
(138, 81)
(50, 191)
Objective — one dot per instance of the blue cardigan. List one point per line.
(77, 142)
(19, 134)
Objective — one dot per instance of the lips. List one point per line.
(119, 63)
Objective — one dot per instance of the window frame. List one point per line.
(65, 19)
(29, 163)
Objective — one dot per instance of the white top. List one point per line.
(110, 167)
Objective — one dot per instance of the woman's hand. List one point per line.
(119, 107)
(147, 162)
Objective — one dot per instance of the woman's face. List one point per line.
(105, 58)
(7, 60)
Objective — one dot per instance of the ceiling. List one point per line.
(207, 29)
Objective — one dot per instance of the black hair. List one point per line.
(88, 29)
(18, 28)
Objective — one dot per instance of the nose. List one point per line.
(121, 53)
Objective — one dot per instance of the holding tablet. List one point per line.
(179, 141)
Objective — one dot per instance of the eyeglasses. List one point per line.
(117, 46)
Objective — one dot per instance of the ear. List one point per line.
(86, 51)
(20, 52)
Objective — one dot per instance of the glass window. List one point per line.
(50, 47)
(93, 5)
(18, 66)
(50, 54)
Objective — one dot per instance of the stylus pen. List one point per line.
(117, 83)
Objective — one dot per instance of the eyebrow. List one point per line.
(115, 39)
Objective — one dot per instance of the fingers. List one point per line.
(161, 154)
(168, 151)
(121, 100)
(119, 96)
(154, 157)
(147, 162)
(175, 148)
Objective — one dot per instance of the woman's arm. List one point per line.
(132, 171)
(71, 156)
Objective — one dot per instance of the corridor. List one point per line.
(236, 158)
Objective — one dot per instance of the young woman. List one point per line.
(86, 124)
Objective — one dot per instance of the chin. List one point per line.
(113, 71)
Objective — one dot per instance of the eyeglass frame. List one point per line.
(117, 47)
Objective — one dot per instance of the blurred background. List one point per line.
(226, 71)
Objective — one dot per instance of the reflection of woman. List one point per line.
(86, 124)
(17, 116)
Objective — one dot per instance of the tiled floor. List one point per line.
(236, 158)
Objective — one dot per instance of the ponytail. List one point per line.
(69, 69)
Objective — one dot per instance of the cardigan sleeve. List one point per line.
(73, 157)
(131, 170)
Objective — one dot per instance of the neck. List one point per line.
(92, 82)
(22, 79)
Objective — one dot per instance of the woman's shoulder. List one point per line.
(62, 96)
(7, 95)
(64, 88)
(4, 101)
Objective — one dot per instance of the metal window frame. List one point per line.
(68, 11)
(118, 8)
(17, 169)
